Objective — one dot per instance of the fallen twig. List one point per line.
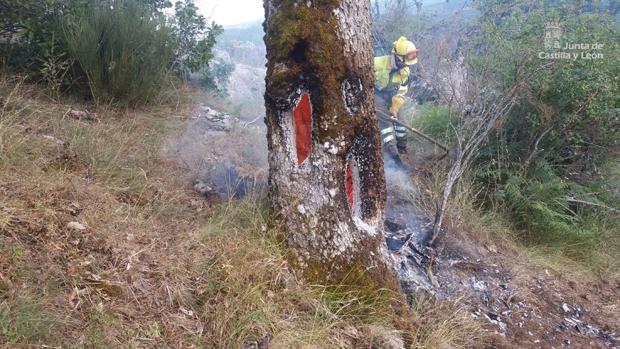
(589, 203)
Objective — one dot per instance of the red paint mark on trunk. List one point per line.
(302, 122)
(348, 185)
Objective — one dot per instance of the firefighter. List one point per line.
(393, 73)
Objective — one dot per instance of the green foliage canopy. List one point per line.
(565, 127)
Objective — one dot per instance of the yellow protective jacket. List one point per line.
(395, 82)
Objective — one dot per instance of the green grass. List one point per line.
(434, 120)
(23, 319)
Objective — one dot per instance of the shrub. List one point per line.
(539, 207)
(124, 51)
(27, 32)
(434, 120)
(551, 145)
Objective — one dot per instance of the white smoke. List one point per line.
(225, 156)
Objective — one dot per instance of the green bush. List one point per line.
(543, 216)
(434, 120)
(576, 100)
(538, 205)
(563, 129)
(124, 51)
(120, 51)
(27, 29)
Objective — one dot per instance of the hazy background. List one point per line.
(232, 12)
(235, 12)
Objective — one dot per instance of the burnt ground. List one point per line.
(525, 306)
(518, 303)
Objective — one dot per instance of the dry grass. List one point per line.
(156, 265)
(251, 294)
(445, 324)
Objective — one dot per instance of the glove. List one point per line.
(397, 103)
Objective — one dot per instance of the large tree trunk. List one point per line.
(326, 181)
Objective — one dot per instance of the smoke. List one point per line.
(402, 209)
(226, 153)
(225, 156)
(406, 227)
(398, 181)
(228, 158)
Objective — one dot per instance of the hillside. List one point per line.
(110, 238)
(106, 242)
(166, 182)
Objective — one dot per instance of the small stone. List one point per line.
(82, 115)
(491, 248)
(53, 139)
(76, 226)
(565, 307)
(332, 192)
(478, 285)
(301, 209)
(202, 188)
(74, 209)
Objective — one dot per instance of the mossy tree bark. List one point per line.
(326, 182)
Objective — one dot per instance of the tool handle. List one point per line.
(428, 138)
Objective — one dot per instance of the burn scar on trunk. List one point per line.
(352, 94)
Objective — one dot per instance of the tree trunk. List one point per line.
(326, 180)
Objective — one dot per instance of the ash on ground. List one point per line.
(407, 230)
(529, 308)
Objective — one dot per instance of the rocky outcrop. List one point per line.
(246, 88)
(246, 52)
(212, 120)
(246, 84)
